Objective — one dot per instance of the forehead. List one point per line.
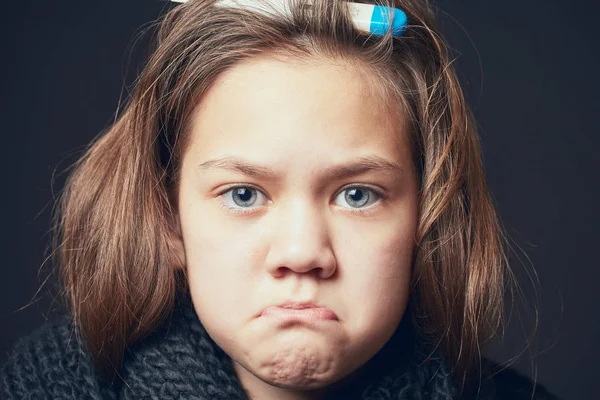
(272, 106)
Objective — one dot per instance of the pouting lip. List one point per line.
(295, 305)
(298, 306)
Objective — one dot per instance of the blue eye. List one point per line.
(357, 196)
(243, 196)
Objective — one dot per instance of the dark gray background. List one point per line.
(530, 71)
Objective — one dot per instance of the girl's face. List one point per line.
(298, 208)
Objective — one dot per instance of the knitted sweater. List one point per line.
(180, 361)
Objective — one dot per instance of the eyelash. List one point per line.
(241, 211)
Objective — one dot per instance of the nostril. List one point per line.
(282, 271)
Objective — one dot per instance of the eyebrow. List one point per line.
(356, 167)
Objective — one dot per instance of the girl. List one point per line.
(289, 207)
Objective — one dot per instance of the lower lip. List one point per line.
(308, 314)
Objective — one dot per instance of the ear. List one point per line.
(176, 242)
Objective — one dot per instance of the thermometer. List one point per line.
(369, 18)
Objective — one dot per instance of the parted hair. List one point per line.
(114, 223)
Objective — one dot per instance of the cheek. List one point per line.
(214, 246)
(220, 262)
(377, 272)
(379, 250)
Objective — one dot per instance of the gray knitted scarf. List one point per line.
(180, 361)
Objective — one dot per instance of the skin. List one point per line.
(299, 237)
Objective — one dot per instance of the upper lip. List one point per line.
(298, 305)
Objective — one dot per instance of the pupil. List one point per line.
(244, 197)
(357, 197)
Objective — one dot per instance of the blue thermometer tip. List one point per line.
(380, 21)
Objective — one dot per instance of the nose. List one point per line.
(300, 242)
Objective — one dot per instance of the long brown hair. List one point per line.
(116, 214)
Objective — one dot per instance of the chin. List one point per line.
(298, 367)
